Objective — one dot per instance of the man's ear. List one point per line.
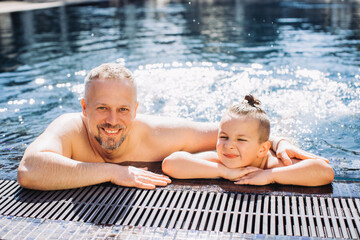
(264, 149)
(83, 106)
(136, 107)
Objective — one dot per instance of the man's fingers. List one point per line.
(146, 181)
(158, 177)
(144, 185)
(307, 155)
(154, 175)
(285, 158)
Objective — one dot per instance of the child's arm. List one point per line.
(309, 172)
(185, 165)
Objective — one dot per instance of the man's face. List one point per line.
(110, 108)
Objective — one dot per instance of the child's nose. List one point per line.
(229, 144)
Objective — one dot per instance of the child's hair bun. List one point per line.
(252, 101)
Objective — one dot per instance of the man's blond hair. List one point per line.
(109, 71)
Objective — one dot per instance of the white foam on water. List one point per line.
(295, 99)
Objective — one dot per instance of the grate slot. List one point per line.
(348, 217)
(191, 211)
(265, 225)
(280, 216)
(5, 202)
(310, 216)
(341, 217)
(211, 221)
(135, 207)
(123, 208)
(7, 189)
(109, 206)
(98, 205)
(163, 208)
(272, 215)
(199, 211)
(144, 214)
(228, 212)
(287, 210)
(13, 205)
(220, 213)
(355, 216)
(304, 224)
(170, 209)
(148, 220)
(176, 211)
(333, 218)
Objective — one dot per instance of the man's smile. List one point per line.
(111, 131)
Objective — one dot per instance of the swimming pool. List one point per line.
(192, 59)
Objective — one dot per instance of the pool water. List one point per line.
(192, 59)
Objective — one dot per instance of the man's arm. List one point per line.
(286, 151)
(309, 172)
(47, 164)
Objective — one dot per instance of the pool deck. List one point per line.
(80, 213)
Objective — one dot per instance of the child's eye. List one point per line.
(223, 137)
(241, 140)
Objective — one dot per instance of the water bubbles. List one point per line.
(39, 81)
(121, 61)
(80, 73)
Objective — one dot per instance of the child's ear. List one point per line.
(264, 149)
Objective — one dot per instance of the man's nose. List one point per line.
(112, 118)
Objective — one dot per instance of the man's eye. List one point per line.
(101, 108)
(123, 109)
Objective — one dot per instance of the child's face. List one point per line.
(238, 141)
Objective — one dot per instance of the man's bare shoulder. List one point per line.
(67, 122)
(171, 122)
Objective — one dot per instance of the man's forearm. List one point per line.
(51, 171)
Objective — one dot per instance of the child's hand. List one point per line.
(287, 151)
(259, 177)
(233, 174)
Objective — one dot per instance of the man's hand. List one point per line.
(259, 177)
(233, 174)
(137, 177)
(287, 151)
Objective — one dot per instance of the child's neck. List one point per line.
(261, 162)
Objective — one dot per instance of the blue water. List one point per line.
(192, 59)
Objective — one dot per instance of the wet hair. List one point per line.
(109, 71)
(250, 108)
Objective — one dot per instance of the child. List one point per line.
(244, 156)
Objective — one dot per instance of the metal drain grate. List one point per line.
(188, 210)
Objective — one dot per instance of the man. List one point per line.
(81, 149)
